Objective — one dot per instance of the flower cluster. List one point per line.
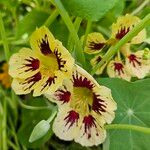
(84, 107)
(126, 64)
(4, 76)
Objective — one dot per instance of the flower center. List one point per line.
(96, 46)
(49, 64)
(82, 100)
(122, 32)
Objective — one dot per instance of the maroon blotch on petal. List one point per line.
(32, 65)
(89, 122)
(98, 104)
(96, 46)
(119, 68)
(122, 32)
(79, 81)
(71, 118)
(133, 59)
(44, 46)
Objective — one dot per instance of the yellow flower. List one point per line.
(137, 65)
(83, 108)
(4, 76)
(95, 61)
(43, 68)
(94, 43)
(117, 69)
(124, 25)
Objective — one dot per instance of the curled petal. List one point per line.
(94, 43)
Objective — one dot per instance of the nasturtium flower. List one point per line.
(117, 69)
(43, 68)
(4, 76)
(137, 65)
(95, 61)
(94, 43)
(124, 25)
(83, 108)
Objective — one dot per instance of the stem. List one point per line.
(79, 51)
(141, 6)
(4, 38)
(128, 127)
(70, 41)
(54, 112)
(4, 123)
(113, 50)
(51, 18)
(32, 107)
(88, 28)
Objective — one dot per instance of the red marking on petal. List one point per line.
(98, 59)
(35, 78)
(98, 104)
(89, 122)
(50, 80)
(63, 96)
(71, 118)
(96, 46)
(44, 46)
(80, 81)
(118, 67)
(33, 64)
(134, 60)
(60, 61)
(122, 32)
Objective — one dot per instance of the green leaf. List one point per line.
(90, 9)
(30, 22)
(133, 103)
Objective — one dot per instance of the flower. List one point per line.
(43, 68)
(95, 61)
(94, 43)
(83, 108)
(117, 69)
(136, 65)
(124, 25)
(4, 76)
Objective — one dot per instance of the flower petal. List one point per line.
(94, 43)
(136, 65)
(116, 69)
(65, 125)
(124, 25)
(91, 132)
(41, 41)
(23, 64)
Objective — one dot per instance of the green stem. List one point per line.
(128, 127)
(51, 18)
(88, 28)
(4, 123)
(79, 51)
(32, 107)
(54, 112)
(113, 50)
(70, 39)
(4, 38)
(141, 6)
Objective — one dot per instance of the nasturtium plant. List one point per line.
(74, 75)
